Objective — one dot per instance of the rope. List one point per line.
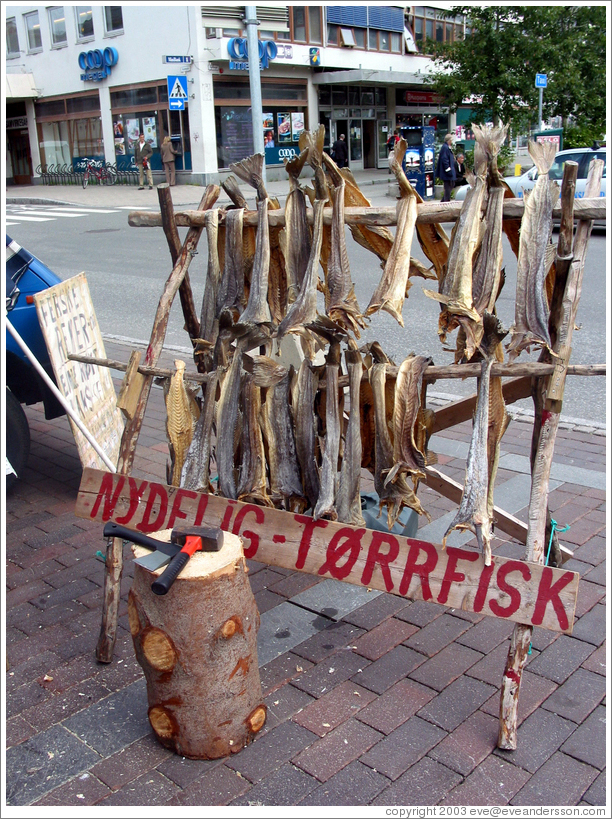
(554, 527)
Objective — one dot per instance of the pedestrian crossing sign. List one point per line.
(177, 92)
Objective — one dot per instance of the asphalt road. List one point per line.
(126, 269)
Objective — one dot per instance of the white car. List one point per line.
(526, 181)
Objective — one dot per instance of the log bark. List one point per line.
(427, 213)
(197, 646)
(542, 461)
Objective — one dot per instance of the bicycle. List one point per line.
(107, 175)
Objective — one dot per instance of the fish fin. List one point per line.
(267, 372)
(543, 155)
(250, 170)
(550, 256)
(494, 333)
(295, 165)
(417, 268)
(491, 138)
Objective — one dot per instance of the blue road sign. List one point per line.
(177, 92)
(177, 59)
(541, 81)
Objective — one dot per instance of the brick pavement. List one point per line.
(383, 702)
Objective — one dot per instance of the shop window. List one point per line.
(32, 26)
(12, 39)
(324, 95)
(57, 27)
(381, 97)
(353, 95)
(113, 20)
(78, 105)
(51, 108)
(339, 95)
(129, 97)
(84, 22)
(367, 96)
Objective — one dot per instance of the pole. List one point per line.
(540, 109)
(250, 18)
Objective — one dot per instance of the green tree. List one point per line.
(494, 68)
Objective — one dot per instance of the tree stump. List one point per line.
(197, 646)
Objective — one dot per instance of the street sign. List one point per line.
(541, 80)
(176, 59)
(177, 92)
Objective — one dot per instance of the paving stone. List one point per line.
(588, 595)
(354, 785)
(336, 750)
(264, 579)
(403, 747)
(593, 551)
(425, 783)
(393, 666)
(598, 574)
(421, 612)
(469, 743)
(578, 696)
(383, 637)
(446, 666)
(597, 661)
(279, 671)
(487, 634)
(436, 635)
(400, 702)
(333, 636)
(561, 658)
(83, 790)
(334, 708)
(131, 762)
(455, 704)
(560, 781)
(295, 584)
(270, 751)
(183, 771)
(59, 707)
(596, 794)
(493, 782)
(266, 600)
(114, 722)
(286, 786)
(18, 730)
(26, 696)
(591, 628)
(47, 760)
(588, 742)
(33, 668)
(331, 672)
(541, 638)
(284, 703)
(534, 690)
(149, 789)
(376, 611)
(284, 627)
(540, 735)
(334, 599)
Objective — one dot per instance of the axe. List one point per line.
(193, 539)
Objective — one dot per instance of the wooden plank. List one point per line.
(508, 589)
(462, 410)
(69, 325)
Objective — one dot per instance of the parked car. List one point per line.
(526, 181)
(25, 276)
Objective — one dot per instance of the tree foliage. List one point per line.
(494, 68)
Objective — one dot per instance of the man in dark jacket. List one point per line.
(445, 168)
(460, 171)
(340, 150)
(142, 158)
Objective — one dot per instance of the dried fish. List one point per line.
(392, 288)
(182, 413)
(230, 293)
(306, 431)
(378, 239)
(535, 257)
(326, 503)
(349, 498)
(227, 416)
(499, 419)
(196, 469)
(252, 486)
(257, 310)
(213, 275)
(296, 237)
(277, 277)
(473, 512)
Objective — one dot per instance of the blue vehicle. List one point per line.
(25, 276)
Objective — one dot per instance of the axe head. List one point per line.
(211, 540)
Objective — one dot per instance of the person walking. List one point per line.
(142, 157)
(168, 155)
(340, 150)
(445, 167)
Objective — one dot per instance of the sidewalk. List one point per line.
(386, 702)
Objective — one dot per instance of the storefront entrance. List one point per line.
(20, 156)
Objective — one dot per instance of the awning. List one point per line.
(21, 87)
(365, 75)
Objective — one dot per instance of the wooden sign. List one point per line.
(511, 589)
(69, 325)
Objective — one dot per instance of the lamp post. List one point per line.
(251, 21)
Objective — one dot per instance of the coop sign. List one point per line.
(238, 51)
(509, 589)
(96, 65)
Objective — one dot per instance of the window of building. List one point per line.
(84, 21)
(32, 25)
(429, 24)
(332, 34)
(12, 39)
(57, 27)
(306, 24)
(314, 25)
(113, 20)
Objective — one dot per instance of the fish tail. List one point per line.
(294, 165)
(250, 170)
(490, 138)
(543, 155)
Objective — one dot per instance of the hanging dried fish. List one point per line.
(182, 413)
(227, 416)
(499, 419)
(348, 503)
(230, 294)
(326, 503)
(196, 469)
(473, 512)
(257, 310)
(306, 431)
(377, 238)
(277, 277)
(392, 288)
(296, 237)
(252, 486)
(535, 257)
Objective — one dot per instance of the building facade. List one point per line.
(84, 81)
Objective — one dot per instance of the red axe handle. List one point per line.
(162, 585)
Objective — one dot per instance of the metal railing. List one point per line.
(66, 175)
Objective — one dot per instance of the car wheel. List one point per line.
(17, 438)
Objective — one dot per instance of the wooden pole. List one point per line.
(538, 502)
(131, 431)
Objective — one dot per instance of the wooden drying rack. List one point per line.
(542, 380)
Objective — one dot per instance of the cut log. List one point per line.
(197, 646)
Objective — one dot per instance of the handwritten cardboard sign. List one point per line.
(510, 589)
(69, 325)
